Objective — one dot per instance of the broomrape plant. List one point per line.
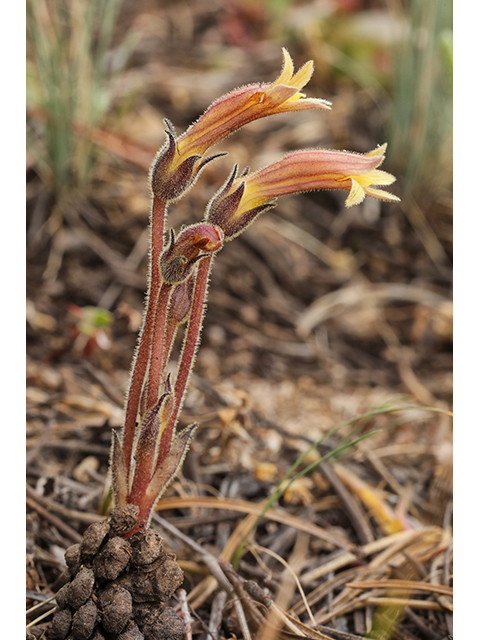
(150, 451)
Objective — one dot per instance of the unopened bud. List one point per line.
(182, 253)
(181, 301)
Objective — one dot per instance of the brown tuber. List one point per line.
(146, 547)
(80, 588)
(118, 587)
(116, 608)
(112, 559)
(123, 519)
(93, 538)
(84, 621)
(60, 626)
(72, 559)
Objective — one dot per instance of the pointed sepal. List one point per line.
(168, 468)
(119, 472)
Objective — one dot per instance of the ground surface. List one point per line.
(317, 314)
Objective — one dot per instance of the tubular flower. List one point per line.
(178, 163)
(241, 199)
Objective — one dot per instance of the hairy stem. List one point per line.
(142, 355)
(190, 345)
(158, 346)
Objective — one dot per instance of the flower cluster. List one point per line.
(150, 451)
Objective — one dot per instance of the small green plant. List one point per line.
(150, 451)
(91, 326)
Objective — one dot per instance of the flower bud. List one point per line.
(181, 301)
(192, 244)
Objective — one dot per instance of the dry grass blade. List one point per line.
(436, 572)
(288, 567)
(39, 605)
(298, 629)
(375, 460)
(416, 546)
(390, 545)
(409, 585)
(373, 501)
(357, 515)
(327, 587)
(401, 603)
(274, 514)
(40, 618)
(318, 632)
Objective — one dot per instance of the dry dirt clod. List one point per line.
(84, 621)
(80, 588)
(93, 538)
(60, 626)
(109, 563)
(116, 608)
(123, 519)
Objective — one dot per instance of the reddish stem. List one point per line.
(144, 458)
(158, 345)
(159, 208)
(190, 345)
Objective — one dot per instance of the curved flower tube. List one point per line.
(241, 199)
(178, 163)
